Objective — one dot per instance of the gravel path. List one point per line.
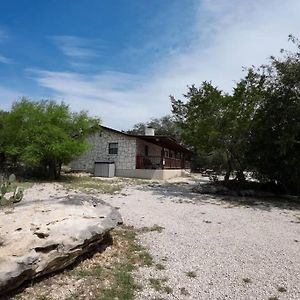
(212, 249)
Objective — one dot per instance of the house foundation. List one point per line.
(151, 174)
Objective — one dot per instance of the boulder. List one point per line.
(40, 237)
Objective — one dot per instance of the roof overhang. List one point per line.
(165, 142)
(160, 140)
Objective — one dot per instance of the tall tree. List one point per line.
(45, 134)
(163, 126)
(217, 124)
(274, 146)
(201, 118)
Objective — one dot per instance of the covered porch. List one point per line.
(161, 163)
(168, 154)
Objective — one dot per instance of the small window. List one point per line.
(113, 148)
(146, 150)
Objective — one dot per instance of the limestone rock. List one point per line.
(40, 237)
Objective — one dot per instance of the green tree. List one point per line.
(165, 125)
(241, 110)
(45, 134)
(202, 119)
(3, 116)
(256, 128)
(217, 124)
(274, 145)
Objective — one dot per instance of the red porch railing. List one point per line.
(157, 162)
(173, 163)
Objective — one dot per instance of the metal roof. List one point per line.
(160, 140)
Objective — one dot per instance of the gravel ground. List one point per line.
(212, 248)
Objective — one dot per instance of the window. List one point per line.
(113, 148)
(146, 150)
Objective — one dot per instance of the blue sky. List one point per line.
(121, 60)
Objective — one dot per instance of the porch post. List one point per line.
(162, 158)
(182, 160)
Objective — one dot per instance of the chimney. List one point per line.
(149, 131)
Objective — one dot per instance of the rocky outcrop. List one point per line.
(39, 237)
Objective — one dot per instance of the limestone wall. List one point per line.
(125, 159)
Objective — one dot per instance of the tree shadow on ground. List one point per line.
(183, 192)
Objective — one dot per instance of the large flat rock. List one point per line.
(41, 236)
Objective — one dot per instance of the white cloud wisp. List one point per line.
(228, 36)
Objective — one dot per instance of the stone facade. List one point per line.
(129, 147)
(99, 151)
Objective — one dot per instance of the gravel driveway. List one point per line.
(212, 248)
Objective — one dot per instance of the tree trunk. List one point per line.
(227, 175)
(51, 171)
(240, 176)
(229, 168)
(58, 171)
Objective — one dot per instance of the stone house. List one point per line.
(146, 156)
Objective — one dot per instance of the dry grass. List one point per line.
(191, 274)
(160, 267)
(106, 275)
(281, 289)
(158, 284)
(183, 291)
(153, 228)
(90, 184)
(247, 280)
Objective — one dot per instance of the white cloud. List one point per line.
(109, 94)
(228, 35)
(5, 60)
(79, 48)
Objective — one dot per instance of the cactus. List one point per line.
(5, 186)
(18, 195)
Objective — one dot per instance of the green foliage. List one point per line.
(44, 134)
(165, 125)
(274, 146)
(200, 116)
(215, 123)
(256, 128)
